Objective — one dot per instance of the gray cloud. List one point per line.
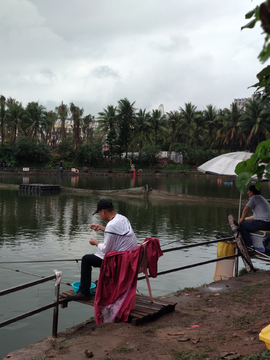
(94, 53)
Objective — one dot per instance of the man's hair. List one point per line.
(254, 190)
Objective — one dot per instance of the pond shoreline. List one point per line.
(135, 193)
(222, 312)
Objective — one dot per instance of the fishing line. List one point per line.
(27, 273)
(36, 261)
(174, 241)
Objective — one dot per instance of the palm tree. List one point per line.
(157, 124)
(37, 116)
(108, 126)
(62, 111)
(2, 117)
(15, 115)
(141, 128)
(125, 116)
(187, 115)
(255, 123)
(210, 117)
(233, 135)
(173, 122)
(87, 128)
(76, 117)
(51, 118)
(197, 129)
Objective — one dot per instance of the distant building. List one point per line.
(241, 103)
(161, 109)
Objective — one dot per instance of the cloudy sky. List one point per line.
(96, 52)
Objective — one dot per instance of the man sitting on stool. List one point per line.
(118, 236)
(261, 215)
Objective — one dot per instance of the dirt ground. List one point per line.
(221, 320)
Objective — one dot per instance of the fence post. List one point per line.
(236, 262)
(55, 311)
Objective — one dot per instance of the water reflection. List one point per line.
(37, 227)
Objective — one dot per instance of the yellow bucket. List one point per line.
(264, 335)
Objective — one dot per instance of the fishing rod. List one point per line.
(36, 275)
(258, 252)
(174, 241)
(37, 261)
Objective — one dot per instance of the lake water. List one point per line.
(35, 227)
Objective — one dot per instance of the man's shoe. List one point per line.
(78, 296)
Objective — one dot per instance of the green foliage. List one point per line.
(66, 150)
(257, 164)
(148, 155)
(23, 152)
(7, 151)
(88, 155)
(261, 13)
(28, 151)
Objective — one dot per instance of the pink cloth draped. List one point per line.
(117, 281)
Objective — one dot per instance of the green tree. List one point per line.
(210, 117)
(66, 150)
(173, 127)
(36, 115)
(255, 123)
(141, 128)
(197, 129)
(51, 118)
(76, 114)
(2, 117)
(187, 115)
(15, 115)
(233, 135)
(89, 155)
(125, 115)
(28, 151)
(62, 111)
(158, 125)
(87, 127)
(108, 127)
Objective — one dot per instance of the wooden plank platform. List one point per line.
(144, 310)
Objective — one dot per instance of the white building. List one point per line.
(241, 103)
(161, 109)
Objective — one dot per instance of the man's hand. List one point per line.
(97, 227)
(93, 242)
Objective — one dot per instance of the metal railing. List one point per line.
(231, 238)
(54, 305)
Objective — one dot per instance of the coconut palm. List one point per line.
(51, 118)
(157, 124)
(15, 116)
(141, 128)
(76, 114)
(62, 111)
(197, 130)
(37, 116)
(233, 135)
(108, 127)
(2, 117)
(87, 128)
(187, 115)
(210, 117)
(125, 115)
(255, 123)
(173, 127)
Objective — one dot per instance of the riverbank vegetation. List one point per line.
(124, 134)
